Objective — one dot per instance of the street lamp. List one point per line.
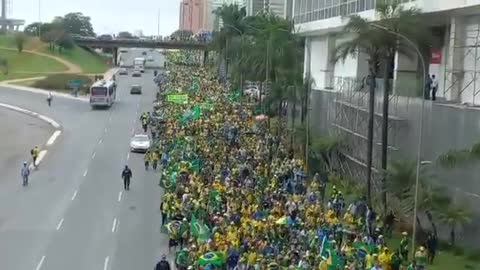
(420, 128)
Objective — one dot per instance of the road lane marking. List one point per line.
(53, 137)
(100, 141)
(128, 156)
(120, 196)
(114, 225)
(105, 264)
(74, 195)
(133, 130)
(93, 155)
(40, 263)
(110, 118)
(41, 155)
(105, 130)
(60, 224)
(85, 173)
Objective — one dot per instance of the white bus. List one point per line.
(103, 93)
(139, 64)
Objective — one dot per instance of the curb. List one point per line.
(43, 92)
(53, 123)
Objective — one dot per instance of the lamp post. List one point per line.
(420, 124)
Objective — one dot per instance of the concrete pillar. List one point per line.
(454, 67)
(405, 79)
(115, 56)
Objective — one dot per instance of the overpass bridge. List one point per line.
(114, 44)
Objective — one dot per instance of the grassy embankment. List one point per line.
(25, 65)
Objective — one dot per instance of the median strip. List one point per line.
(44, 118)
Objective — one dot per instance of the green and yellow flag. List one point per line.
(200, 231)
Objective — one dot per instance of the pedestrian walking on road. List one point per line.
(25, 172)
(163, 264)
(147, 158)
(155, 158)
(49, 98)
(34, 152)
(126, 175)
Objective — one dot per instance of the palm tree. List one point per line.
(380, 46)
(400, 186)
(232, 17)
(455, 216)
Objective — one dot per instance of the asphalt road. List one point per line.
(19, 133)
(75, 215)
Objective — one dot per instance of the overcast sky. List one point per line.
(108, 16)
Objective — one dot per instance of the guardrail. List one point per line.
(168, 44)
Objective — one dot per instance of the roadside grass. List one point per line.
(59, 82)
(13, 76)
(31, 43)
(89, 62)
(24, 65)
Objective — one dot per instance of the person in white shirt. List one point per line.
(49, 98)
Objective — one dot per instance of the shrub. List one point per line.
(458, 251)
(60, 82)
(474, 255)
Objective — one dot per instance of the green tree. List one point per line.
(380, 46)
(65, 42)
(19, 41)
(76, 23)
(455, 217)
(33, 29)
(232, 17)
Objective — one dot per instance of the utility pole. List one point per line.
(39, 18)
(158, 24)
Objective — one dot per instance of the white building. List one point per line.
(275, 6)
(455, 58)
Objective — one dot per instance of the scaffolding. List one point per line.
(350, 122)
(462, 68)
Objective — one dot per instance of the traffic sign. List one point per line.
(75, 83)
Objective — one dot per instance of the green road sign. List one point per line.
(178, 99)
(75, 83)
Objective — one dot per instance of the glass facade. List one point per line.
(314, 10)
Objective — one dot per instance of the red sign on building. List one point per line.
(436, 57)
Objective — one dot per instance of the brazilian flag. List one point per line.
(235, 96)
(213, 258)
(195, 86)
(181, 258)
(200, 231)
(173, 227)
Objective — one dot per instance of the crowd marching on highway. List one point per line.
(237, 198)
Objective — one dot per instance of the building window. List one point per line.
(312, 10)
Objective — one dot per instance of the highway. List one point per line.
(75, 214)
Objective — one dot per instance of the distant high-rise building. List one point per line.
(193, 15)
(277, 7)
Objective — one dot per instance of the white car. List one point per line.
(136, 73)
(140, 143)
(123, 71)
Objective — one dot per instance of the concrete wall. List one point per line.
(446, 127)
